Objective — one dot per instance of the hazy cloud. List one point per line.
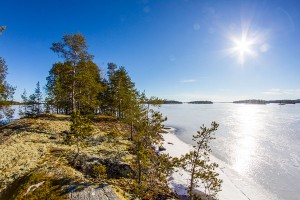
(188, 81)
(276, 91)
(224, 90)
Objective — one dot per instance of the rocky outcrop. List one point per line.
(114, 168)
(94, 193)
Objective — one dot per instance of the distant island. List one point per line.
(200, 102)
(284, 101)
(259, 101)
(191, 102)
(171, 102)
(251, 101)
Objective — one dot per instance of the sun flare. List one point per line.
(245, 43)
(242, 47)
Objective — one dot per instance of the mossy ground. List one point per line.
(34, 149)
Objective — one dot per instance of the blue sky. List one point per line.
(175, 49)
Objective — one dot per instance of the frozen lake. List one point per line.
(259, 144)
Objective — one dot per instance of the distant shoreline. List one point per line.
(251, 101)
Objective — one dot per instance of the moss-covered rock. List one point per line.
(37, 185)
(94, 193)
(114, 168)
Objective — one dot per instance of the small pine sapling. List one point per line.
(197, 163)
(81, 128)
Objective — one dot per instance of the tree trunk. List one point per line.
(77, 154)
(192, 183)
(131, 131)
(73, 88)
(193, 173)
(139, 172)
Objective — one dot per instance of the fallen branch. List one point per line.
(34, 187)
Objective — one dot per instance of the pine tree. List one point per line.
(23, 107)
(151, 169)
(104, 103)
(123, 101)
(81, 128)
(59, 88)
(38, 99)
(6, 93)
(34, 106)
(152, 120)
(73, 49)
(75, 82)
(120, 91)
(6, 90)
(120, 99)
(110, 98)
(133, 113)
(197, 164)
(88, 87)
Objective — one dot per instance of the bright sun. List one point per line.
(246, 45)
(242, 47)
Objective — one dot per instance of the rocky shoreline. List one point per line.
(33, 152)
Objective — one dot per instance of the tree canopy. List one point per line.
(73, 49)
(75, 83)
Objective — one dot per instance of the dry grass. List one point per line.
(26, 146)
(121, 194)
(110, 147)
(19, 155)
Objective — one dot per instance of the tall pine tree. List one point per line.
(121, 92)
(88, 87)
(73, 49)
(76, 83)
(59, 88)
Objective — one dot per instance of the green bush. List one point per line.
(99, 172)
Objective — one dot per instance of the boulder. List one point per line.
(114, 168)
(94, 193)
